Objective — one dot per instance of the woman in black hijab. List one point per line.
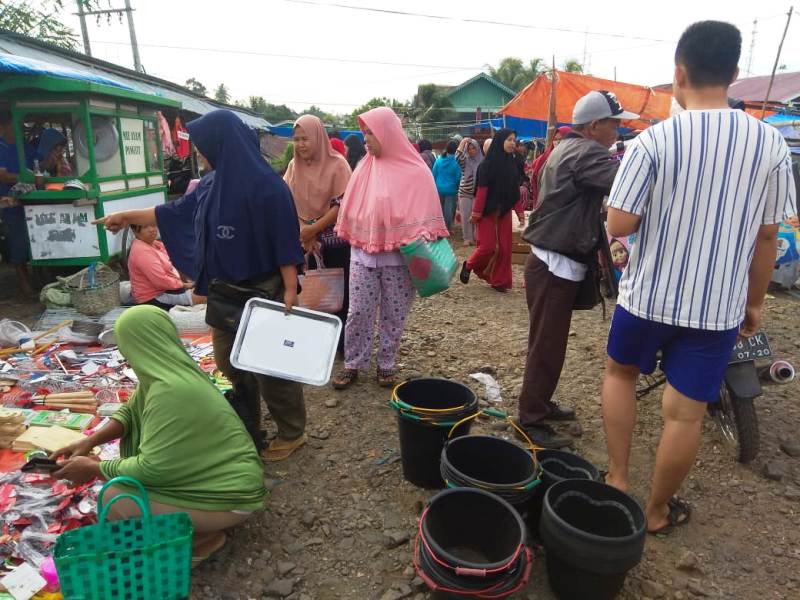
(496, 195)
(355, 150)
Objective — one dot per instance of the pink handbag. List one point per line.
(322, 289)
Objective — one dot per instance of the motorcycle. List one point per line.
(734, 411)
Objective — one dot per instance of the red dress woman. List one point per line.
(496, 195)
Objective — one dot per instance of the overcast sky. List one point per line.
(255, 47)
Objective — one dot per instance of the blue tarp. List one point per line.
(788, 124)
(785, 117)
(288, 131)
(20, 65)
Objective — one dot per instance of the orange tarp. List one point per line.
(533, 102)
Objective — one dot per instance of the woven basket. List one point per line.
(95, 299)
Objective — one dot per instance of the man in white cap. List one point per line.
(564, 232)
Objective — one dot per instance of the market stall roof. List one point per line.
(28, 73)
(785, 88)
(79, 67)
(533, 101)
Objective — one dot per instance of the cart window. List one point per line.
(151, 146)
(50, 140)
(104, 142)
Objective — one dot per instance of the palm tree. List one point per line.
(431, 104)
(513, 73)
(573, 66)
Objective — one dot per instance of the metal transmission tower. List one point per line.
(128, 10)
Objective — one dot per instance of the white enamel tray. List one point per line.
(300, 346)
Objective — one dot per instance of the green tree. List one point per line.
(195, 86)
(221, 94)
(573, 66)
(514, 73)
(42, 22)
(351, 120)
(274, 113)
(282, 162)
(325, 117)
(431, 104)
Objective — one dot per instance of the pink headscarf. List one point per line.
(391, 199)
(315, 183)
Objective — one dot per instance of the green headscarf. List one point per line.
(149, 341)
(182, 439)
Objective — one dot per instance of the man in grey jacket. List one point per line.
(564, 232)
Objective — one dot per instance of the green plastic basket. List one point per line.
(430, 264)
(136, 559)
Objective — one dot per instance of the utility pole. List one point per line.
(128, 10)
(749, 69)
(137, 63)
(585, 47)
(84, 31)
(775, 66)
(552, 121)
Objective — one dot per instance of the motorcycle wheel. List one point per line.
(738, 423)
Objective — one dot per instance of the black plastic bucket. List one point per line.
(471, 541)
(593, 534)
(492, 464)
(557, 465)
(436, 405)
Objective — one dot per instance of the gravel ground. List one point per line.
(341, 519)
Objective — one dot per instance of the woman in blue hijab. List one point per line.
(52, 144)
(245, 232)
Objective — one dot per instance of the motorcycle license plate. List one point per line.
(753, 348)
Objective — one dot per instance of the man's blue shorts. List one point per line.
(694, 360)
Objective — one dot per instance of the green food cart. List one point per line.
(112, 147)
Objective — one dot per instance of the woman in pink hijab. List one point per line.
(391, 200)
(317, 177)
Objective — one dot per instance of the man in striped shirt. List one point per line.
(705, 191)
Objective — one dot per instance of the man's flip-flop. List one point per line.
(679, 514)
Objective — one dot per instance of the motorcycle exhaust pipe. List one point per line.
(780, 371)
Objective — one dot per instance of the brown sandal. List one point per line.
(205, 550)
(279, 449)
(387, 378)
(345, 379)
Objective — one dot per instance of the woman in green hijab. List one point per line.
(178, 436)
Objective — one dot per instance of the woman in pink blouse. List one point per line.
(153, 278)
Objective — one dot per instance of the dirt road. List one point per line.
(340, 518)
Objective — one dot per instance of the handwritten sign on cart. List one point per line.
(61, 231)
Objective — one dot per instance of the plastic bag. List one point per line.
(11, 332)
(189, 319)
(430, 264)
(787, 245)
(492, 388)
(55, 295)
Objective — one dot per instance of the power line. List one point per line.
(295, 56)
(474, 21)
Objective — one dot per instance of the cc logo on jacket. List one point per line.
(225, 232)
